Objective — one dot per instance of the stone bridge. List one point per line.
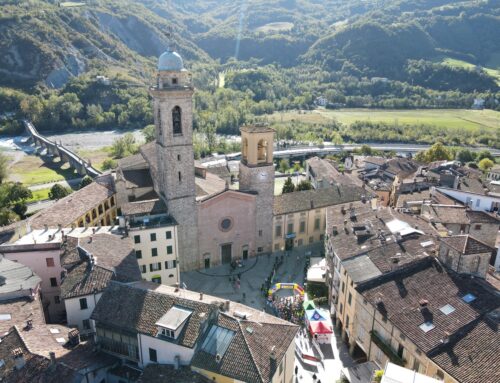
(82, 167)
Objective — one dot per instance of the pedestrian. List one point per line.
(296, 369)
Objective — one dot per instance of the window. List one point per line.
(152, 236)
(168, 333)
(341, 308)
(156, 280)
(440, 374)
(177, 120)
(137, 239)
(180, 176)
(317, 221)
(289, 229)
(477, 227)
(83, 304)
(347, 322)
(168, 234)
(158, 119)
(169, 249)
(154, 252)
(277, 231)
(260, 233)
(143, 269)
(155, 266)
(53, 282)
(343, 286)
(178, 157)
(401, 350)
(260, 250)
(152, 355)
(349, 299)
(174, 81)
(416, 365)
(170, 264)
(86, 324)
(57, 299)
(226, 224)
(302, 227)
(138, 254)
(49, 262)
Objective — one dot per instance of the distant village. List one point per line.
(169, 269)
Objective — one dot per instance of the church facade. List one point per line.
(215, 224)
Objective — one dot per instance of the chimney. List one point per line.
(446, 337)
(18, 356)
(46, 227)
(74, 337)
(423, 303)
(201, 296)
(273, 362)
(177, 287)
(52, 355)
(226, 305)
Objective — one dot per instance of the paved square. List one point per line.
(216, 281)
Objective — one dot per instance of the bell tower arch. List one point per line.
(257, 175)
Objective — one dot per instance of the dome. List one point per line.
(170, 60)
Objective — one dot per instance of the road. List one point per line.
(72, 183)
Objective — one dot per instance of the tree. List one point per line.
(485, 164)
(484, 154)
(84, 182)
(366, 150)
(57, 192)
(13, 198)
(124, 146)
(3, 167)
(284, 165)
(465, 155)
(437, 152)
(304, 185)
(288, 186)
(109, 164)
(149, 132)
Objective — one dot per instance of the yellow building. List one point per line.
(299, 217)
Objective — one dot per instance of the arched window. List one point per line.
(177, 120)
(262, 151)
(158, 119)
(475, 265)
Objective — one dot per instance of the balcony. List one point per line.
(119, 349)
(387, 349)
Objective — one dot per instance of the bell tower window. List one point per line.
(262, 151)
(176, 120)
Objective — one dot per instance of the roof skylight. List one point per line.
(447, 309)
(427, 326)
(469, 298)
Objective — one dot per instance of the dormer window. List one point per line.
(171, 324)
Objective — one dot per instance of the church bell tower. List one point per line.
(257, 175)
(173, 117)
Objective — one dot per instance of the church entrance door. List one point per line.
(226, 252)
(289, 244)
(245, 252)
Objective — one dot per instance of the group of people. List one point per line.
(266, 286)
(289, 308)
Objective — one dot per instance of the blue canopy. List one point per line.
(316, 315)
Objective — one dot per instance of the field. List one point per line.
(96, 156)
(39, 195)
(464, 64)
(446, 118)
(31, 170)
(275, 27)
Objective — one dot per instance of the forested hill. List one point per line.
(48, 42)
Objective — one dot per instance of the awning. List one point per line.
(319, 328)
(316, 315)
(308, 305)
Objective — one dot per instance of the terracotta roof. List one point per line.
(469, 184)
(36, 369)
(467, 244)
(68, 209)
(398, 297)
(367, 229)
(131, 161)
(424, 195)
(401, 166)
(15, 277)
(114, 259)
(136, 310)
(315, 199)
(446, 214)
(471, 355)
(158, 373)
(325, 170)
(153, 206)
(137, 178)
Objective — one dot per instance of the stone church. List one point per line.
(215, 224)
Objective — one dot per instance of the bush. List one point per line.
(57, 192)
(109, 164)
(85, 181)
